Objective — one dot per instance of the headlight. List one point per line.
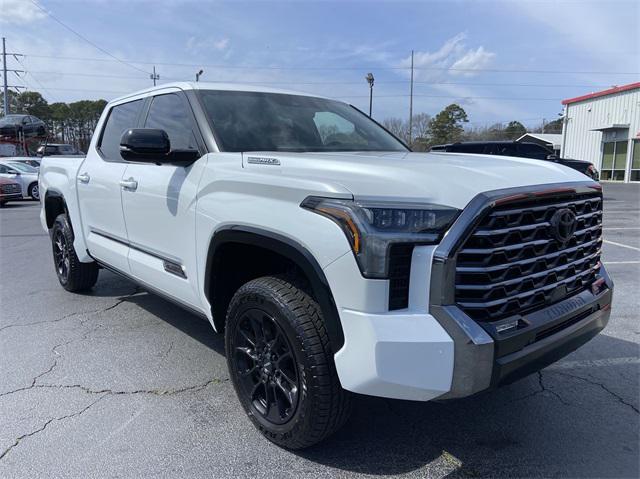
(372, 226)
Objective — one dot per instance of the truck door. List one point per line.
(99, 189)
(160, 203)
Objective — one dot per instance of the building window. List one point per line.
(614, 161)
(635, 162)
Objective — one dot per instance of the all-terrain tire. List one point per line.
(73, 275)
(322, 406)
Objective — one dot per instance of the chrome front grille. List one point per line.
(514, 263)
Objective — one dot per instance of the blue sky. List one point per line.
(501, 60)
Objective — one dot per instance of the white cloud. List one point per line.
(453, 54)
(197, 45)
(19, 12)
(472, 61)
(607, 30)
(221, 44)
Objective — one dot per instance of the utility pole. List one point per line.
(544, 124)
(4, 76)
(370, 81)
(411, 103)
(154, 76)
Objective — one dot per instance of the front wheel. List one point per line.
(281, 363)
(34, 191)
(73, 275)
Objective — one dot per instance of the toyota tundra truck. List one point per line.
(334, 260)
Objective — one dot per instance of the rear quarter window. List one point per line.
(121, 118)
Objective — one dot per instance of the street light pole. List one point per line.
(370, 81)
(198, 75)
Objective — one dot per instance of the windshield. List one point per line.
(21, 167)
(257, 121)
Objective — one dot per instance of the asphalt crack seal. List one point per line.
(103, 394)
(72, 315)
(46, 424)
(603, 387)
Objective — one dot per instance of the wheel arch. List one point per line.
(54, 204)
(284, 247)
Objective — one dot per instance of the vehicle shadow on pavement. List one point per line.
(564, 421)
(194, 326)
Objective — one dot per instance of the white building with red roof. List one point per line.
(604, 128)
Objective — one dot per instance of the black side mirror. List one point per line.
(145, 144)
(153, 146)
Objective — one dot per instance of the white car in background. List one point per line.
(24, 174)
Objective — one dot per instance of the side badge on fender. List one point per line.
(261, 160)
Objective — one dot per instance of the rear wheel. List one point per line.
(281, 363)
(73, 275)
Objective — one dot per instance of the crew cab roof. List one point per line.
(214, 86)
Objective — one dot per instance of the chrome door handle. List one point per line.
(130, 184)
(84, 178)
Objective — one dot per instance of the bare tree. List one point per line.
(398, 127)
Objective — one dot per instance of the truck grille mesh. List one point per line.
(512, 262)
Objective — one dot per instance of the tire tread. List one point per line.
(332, 403)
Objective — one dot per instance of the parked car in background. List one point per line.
(27, 160)
(522, 150)
(52, 149)
(9, 190)
(29, 125)
(24, 174)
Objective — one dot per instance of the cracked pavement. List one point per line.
(119, 382)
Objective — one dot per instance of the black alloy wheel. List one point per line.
(266, 366)
(73, 275)
(281, 362)
(61, 256)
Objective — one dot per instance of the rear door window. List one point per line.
(530, 150)
(508, 149)
(462, 148)
(121, 118)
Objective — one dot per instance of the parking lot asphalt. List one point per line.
(121, 383)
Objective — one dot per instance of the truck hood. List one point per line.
(450, 179)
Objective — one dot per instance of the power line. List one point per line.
(27, 72)
(57, 20)
(293, 82)
(271, 67)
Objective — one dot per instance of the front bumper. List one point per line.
(487, 359)
(432, 349)
(10, 197)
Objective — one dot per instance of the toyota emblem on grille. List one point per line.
(563, 224)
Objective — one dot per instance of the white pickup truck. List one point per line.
(333, 258)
